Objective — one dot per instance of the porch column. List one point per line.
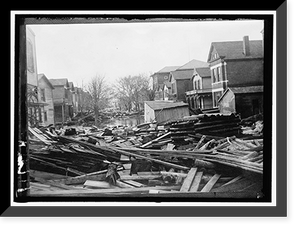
(63, 113)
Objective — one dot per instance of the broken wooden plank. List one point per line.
(233, 187)
(139, 177)
(232, 181)
(153, 159)
(93, 192)
(155, 140)
(196, 182)
(133, 183)
(199, 144)
(97, 184)
(188, 180)
(209, 185)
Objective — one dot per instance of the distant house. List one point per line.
(46, 96)
(180, 79)
(61, 100)
(246, 101)
(158, 81)
(200, 97)
(166, 90)
(71, 98)
(235, 64)
(161, 111)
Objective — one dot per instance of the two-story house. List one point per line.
(180, 79)
(159, 80)
(200, 98)
(238, 65)
(61, 99)
(46, 96)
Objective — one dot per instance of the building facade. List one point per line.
(159, 80)
(46, 96)
(200, 98)
(180, 79)
(235, 64)
(61, 95)
(34, 106)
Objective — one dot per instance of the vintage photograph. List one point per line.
(137, 110)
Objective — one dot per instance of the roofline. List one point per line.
(47, 80)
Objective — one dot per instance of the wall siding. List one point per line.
(227, 103)
(244, 72)
(170, 114)
(182, 87)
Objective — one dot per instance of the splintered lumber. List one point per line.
(99, 175)
(155, 140)
(41, 137)
(199, 143)
(96, 184)
(204, 164)
(139, 177)
(153, 159)
(104, 151)
(56, 184)
(210, 183)
(196, 182)
(234, 187)
(232, 181)
(207, 144)
(188, 180)
(95, 192)
(133, 183)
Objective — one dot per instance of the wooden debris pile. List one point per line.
(94, 164)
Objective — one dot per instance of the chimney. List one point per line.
(246, 46)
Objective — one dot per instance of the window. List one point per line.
(199, 84)
(43, 95)
(40, 115)
(66, 93)
(216, 75)
(219, 73)
(173, 87)
(45, 116)
(29, 57)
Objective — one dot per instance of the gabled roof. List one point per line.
(59, 82)
(182, 74)
(71, 86)
(234, 49)
(168, 69)
(158, 105)
(193, 64)
(42, 76)
(243, 89)
(203, 72)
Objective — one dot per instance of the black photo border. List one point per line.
(280, 209)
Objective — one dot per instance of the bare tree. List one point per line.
(99, 93)
(132, 91)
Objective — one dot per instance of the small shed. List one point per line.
(162, 111)
(246, 101)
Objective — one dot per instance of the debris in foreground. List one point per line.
(203, 156)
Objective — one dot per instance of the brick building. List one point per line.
(237, 65)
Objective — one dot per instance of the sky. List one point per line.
(81, 51)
